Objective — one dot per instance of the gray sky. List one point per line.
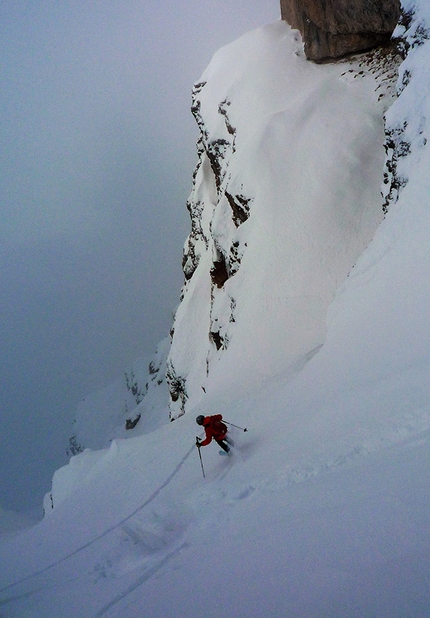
(98, 148)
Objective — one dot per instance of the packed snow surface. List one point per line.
(322, 510)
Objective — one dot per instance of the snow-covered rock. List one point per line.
(407, 119)
(286, 196)
(134, 404)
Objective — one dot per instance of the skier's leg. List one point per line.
(225, 447)
(229, 440)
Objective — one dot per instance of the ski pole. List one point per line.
(201, 460)
(237, 426)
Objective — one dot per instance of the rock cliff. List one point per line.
(333, 28)
(286, 196)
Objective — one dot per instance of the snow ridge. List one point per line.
(262, 252)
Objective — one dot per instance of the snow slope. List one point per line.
(297, 149)
(322, 511)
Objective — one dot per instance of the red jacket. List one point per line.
(212, 429)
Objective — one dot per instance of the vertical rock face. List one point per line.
(333, 28)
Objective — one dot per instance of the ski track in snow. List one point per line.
(410, 431)
(148, 573)
(117, 525)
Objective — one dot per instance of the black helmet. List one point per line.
(200, 419)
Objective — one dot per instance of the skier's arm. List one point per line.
(208, 438)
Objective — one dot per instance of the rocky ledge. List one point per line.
(334, 28)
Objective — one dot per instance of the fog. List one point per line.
(98, 148)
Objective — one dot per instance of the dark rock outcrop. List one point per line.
(334, 28)
(219, 272)
(131, 423)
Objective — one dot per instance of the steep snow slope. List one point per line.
(286, 196)
(323, 509)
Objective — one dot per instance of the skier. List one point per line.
(216, 429)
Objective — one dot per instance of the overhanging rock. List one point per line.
(334, 28)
